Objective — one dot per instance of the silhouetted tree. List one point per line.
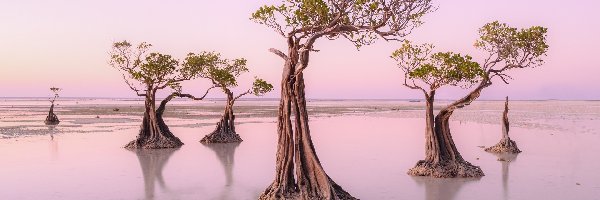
(52, 119)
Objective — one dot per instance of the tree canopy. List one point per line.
(359, 21)
(435, 70)
(223, 72)
(511, 48)
(507, 48)
(148, 72)
(55, 90)
(261, 87)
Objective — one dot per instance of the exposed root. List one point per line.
(446, 169)
(218, 136)
(275, 193)
(341, 194)
(506, 145)
(144, 143)
(51, 119)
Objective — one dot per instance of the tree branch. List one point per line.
(193, 97)
(242, 94)
(279, 53)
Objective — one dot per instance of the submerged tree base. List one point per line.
(275, 193)
(51, 119)
(219, 137)
(446, 169)
(163, 143)
(506, 145)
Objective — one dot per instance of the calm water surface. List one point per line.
(368, 155)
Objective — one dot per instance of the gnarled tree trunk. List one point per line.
(51, 119)
(225, 131)
(442, 159)
(295, 150)
(506, 145)
(154, 133)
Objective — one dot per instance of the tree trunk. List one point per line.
(296, 145)
(51, 119)
(442, 159)
(225, 131)
(432, 147)
(154, 133)
(506, 145)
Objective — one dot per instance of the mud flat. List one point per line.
(366, 146)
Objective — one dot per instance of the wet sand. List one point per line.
(365, 146)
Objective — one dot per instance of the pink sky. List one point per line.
(65, 44)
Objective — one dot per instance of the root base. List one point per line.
(217, 137)
(504, 146)
(142, 143)
(447, 169)
(276, 194)
(52, 119)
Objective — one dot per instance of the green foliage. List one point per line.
(360, 21)
(155, 67)
(295, 13)
(437, 69)
(516, 47)
(222, 72)
(508, 48)
(145, 71)
(261, 87)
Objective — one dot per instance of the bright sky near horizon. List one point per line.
(65, 43)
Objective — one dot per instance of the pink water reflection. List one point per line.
(368, 156)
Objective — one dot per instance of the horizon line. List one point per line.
(314, 99)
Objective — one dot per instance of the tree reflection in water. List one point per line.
(505, 159)
(225, 152)
(442, 188)
(153, 162)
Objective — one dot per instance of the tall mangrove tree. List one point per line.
(506, 49)
(301, 23)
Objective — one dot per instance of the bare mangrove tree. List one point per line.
(52, 119)
(146, 73)
(506, 145)
(302, 23)
(224, 74)
(508, 48)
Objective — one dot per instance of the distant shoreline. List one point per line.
(268, 99)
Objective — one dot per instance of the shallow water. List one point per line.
(368, 154)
